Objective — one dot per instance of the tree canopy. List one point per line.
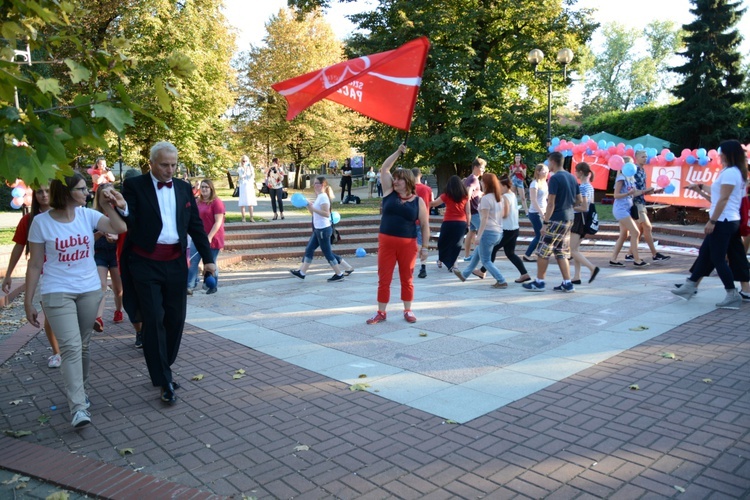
(479, 95)
(292, 47)
(712, 75)
(620, 78)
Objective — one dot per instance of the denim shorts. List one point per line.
(517, 182)
(106, 258)
(476, 220)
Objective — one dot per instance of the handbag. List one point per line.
(335, 236)
(264, 189)
(284, 194)
(634, 212)
(236, 193)
(591, 220)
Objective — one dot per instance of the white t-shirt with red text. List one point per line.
(69, 251)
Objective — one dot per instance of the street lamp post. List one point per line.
(564, 57)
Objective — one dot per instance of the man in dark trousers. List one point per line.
(161, 213)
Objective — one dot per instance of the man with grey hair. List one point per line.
(161, 213)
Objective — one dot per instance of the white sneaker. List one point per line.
(81, 418)
(54, 361)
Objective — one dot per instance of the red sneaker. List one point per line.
(409, 317)
(379, 316)
(99, 325)
(118, 317)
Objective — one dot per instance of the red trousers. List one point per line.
(393, 250)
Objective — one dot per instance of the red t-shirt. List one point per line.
(425, 192)
(454, 211)
(208, 212)
(21, 236)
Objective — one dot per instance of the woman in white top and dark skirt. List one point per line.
(722, 239)
(322, 230)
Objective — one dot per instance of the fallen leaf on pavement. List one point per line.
(679, 488)
(58, 495)
(17, 434)
(198, 377)
(668, 355)
(125, 451)
(634, 387)
(302, 447)
(43, 419)
(237, 375)
(359, 387)
(362, 375)
(422, 334)
(708, 381)
(638, 328)
(16, 402)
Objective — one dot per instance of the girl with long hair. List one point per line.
(624, 192)
(722, 240)
(492, 209)
(39, 204)
(455, 221)
(578, 230)
(105, 256)
(322, 231)
(246, 182)
(212, 212)
(538, 192)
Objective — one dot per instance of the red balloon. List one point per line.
(662, 181)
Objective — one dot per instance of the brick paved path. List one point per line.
(588, 436)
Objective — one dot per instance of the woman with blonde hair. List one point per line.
(105, 256)
(246, 181)
(212, 212)
(492, 209)
(624, 192)
(578, 230)
(538, 192)
(321, 235)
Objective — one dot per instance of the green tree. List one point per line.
(56, 105)
(620, 78)
(194, 38)
(479, 96)
(713, 77)
(292, 47)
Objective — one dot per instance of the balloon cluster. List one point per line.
(609, 153)
(21, 194)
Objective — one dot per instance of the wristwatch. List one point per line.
(545, 222)
(713, 222)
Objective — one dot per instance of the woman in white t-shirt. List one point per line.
(322, 230)
(62, 243)
(492, 209)
(538, 192)
(722, 239)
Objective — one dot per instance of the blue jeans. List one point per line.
(320, 238)
(195, 258)
(486, 243)
(536, 223)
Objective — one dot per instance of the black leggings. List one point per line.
(508, 244)
(722, 250)
(346, 184)
(450, 240)
(276, 197)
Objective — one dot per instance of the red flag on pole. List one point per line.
(383, 86)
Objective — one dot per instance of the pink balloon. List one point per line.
(629, 151)
(712, 154)
(664, 151)
(685, 153)
(90, 171)
(18, 201)
(612, 150)
(615, 162)
(620, 149)
(593, 146)
(662, 181)
(679, 161)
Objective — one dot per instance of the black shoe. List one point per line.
(348, 272)
(138, 340)
(614, 263)
(629, 257)
(212, 290)
(336, 277)
(526, 259)
(660, 256)
(422, 273)
(593, 275)
(297, 273)
(575, 282)
(642, 263)
(168, 395)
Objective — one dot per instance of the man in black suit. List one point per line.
(161, 213)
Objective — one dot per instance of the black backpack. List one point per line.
(591, 220)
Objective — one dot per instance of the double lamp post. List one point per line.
(564, 57)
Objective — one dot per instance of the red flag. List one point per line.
(383, 86)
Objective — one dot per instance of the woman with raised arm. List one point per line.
(397, 240)
(62, 243)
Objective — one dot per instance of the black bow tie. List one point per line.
(161, 184)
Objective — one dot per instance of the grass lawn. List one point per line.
(6, 235)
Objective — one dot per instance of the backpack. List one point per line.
(745, 216)
(351, 199)
(591, 220)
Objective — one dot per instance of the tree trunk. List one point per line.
(443, 173)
